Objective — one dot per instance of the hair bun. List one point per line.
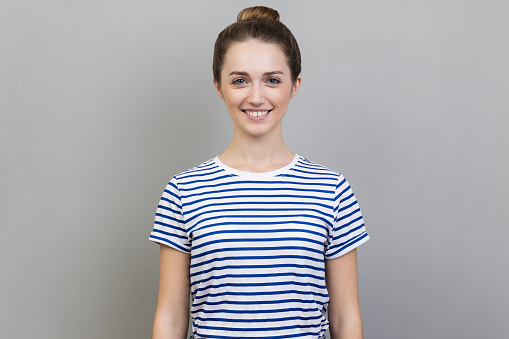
(258, 13)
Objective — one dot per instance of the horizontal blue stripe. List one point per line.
(173, 185)
(201, 173)
(264, 320)
(259, 223)
(257, 302)
(250, 267)
(257, 311)
(359, 218)
(321, 177)
(266, 284)
(255, 183)
(281, 197)
(179, 206)
(171, 243)
(342, 217)
(353, 203)
(254, 209)
(177, 228)
(207, 180)
(257, 257)
(348, 197)
(313, 167)
(206, 166)
(250, 249)
(328, 222)
(259, 329)
(321, 174)
(259, 275)
(347, 244)
(167, 217)
(174, 235)
(173, 194)
(248, 240)
(254, 294)
(263, 189)
(262, 231)
(340, 194)
(260, 202)
(286, 336)
(169, 209)
(346, 234)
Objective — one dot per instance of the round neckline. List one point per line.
(255, 175)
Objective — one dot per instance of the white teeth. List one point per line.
(257, 114)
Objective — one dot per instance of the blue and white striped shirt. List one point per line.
(258, 243)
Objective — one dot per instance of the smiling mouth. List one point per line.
(255, 114)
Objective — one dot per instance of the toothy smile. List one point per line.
(255, 114)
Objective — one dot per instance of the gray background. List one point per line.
(103, 101)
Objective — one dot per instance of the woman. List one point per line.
(263, 239)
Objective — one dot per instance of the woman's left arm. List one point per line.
(345, 320)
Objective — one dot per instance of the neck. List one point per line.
(257, 153)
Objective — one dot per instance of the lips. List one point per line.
(257, 113)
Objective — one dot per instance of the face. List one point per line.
(256, 86)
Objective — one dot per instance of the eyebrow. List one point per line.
(247, 74)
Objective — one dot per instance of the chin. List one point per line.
(258, 132)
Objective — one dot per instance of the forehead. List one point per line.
(254, 56)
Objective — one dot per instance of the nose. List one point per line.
(256, 94)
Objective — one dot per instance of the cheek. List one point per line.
(283, 98)
(233, 99)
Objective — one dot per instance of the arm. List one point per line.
(171, 319)
(345, 320)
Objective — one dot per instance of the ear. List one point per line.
(296, 86)
(218, 88)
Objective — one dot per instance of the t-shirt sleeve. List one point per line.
(169, 224)
(347, 231)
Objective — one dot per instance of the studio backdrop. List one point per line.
(102, 102)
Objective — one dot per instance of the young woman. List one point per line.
(263, 239)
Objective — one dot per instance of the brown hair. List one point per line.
(259, 23)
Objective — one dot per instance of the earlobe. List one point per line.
(296, 86)
(218, 89)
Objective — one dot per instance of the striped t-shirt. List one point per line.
(258, 243)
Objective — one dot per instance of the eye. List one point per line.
(273, 81)
(239, 81)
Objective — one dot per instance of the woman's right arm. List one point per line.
(171, 319)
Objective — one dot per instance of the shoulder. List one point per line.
(313, 167)
(206, 171)
(310, 167)
(204, 167)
